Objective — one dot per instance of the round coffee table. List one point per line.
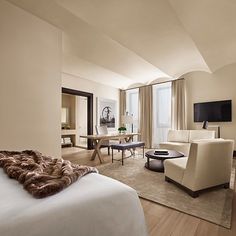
(157, 164)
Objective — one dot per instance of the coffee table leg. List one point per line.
(154, 165)
(162, 162)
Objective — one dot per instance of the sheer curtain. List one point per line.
(145, 101)
(161, 112)
(179, 120)
(122, 104)
(132, 107)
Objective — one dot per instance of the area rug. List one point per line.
(214, 206)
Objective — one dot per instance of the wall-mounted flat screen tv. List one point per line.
(218, 111)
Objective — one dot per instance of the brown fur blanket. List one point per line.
(40, 175)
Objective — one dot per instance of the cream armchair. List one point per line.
(208, 165)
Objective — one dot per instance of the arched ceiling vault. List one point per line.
(122, 42)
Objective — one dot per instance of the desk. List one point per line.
(98, 139)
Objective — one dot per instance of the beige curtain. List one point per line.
(145, 114)
(178, 105)
(122, 105)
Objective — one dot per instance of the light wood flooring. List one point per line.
(161, 220)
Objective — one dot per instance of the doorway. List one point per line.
(76, 119)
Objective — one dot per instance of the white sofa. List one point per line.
(209, 164)
(180, 140)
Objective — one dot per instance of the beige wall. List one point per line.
(30, 82)
(98, 90)
(204, 87)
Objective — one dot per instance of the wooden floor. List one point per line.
(161, 220)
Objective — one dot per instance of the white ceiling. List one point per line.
(212, 26)
(123, 42)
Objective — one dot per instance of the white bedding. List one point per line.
(93, 206)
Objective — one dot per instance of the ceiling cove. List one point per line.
(124, 42)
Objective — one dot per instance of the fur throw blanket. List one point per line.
(40, 175)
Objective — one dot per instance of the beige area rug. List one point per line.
(214, 206)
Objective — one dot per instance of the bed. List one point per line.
(93, 206)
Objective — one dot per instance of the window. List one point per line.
(132, 106)
(161, 112)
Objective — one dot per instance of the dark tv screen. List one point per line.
(220, 111)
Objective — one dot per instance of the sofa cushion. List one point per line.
(177, 146)
(174, 168)
(178, 136)
(201, 134)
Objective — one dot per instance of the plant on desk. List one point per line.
(122, 129)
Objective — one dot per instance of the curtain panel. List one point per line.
(122, 105)
(146, 114)
(178, 105)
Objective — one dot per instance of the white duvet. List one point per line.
(93, 206)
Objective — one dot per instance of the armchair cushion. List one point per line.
(174, 168)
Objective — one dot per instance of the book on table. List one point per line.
(161, 152)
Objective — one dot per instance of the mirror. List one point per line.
(64, 116)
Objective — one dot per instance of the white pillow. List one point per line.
(181, 136)
(201, 134)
